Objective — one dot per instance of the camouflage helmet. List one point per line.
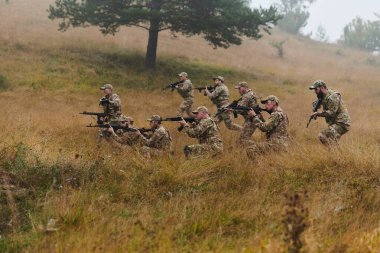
(201, 109)
(221, 78)
(241, 84)
(317, 84)
(106, 86)
(155, 118)
(270, 98)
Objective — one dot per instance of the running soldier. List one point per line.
(160, 141)
(334, 112)
(206, 131)
(248, 99)
(185, 90)
(276, 129)
(219, 97)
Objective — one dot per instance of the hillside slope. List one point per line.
(116, 201)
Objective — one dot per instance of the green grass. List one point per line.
(81, 66)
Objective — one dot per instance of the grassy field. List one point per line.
(107, 200)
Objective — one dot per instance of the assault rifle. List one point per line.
(176, 119)
(172, 86)
(104, 101)
(316, 105)
(100, 116)
(125, 129)
(209, 88)
(233, 104)
(257, 109)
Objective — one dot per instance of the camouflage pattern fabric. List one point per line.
(159, 141)
(249, 99)
(220, 95)
(226, 117)
(208, 135)
(276, 129)
(113, 109)
(331, 135)
(130, 139)
(336, 116)
(186, 106)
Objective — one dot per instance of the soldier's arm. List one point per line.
(115, 100)
(213, 94)
(155, 138)
(268, 125)
(197, 130)
(332, 106)
(186, 86)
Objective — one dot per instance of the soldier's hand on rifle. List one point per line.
(251, 113)
(182, 122)
(138, 133)
(314, 115)
(110, 130)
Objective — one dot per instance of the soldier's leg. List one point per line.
(181, 109)
(197, 150)
(247, 132)
(228, 122)
(330, 136)
(189, 103)
(257, 149)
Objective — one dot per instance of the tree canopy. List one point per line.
(220, 22)
(362, 34)
(295, 15)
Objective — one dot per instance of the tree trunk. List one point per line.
(151, 51)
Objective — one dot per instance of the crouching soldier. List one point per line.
(276, 129)
(206, 131)
(125, 137)
(159, 142)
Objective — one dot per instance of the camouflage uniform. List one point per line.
(185, 89)
(126, 138)
(219, 97)
(336, 116)
(113, 109)
(208, 135)
(158, 144)
(276, 129)
(249, 99)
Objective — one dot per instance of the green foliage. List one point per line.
(295, 15)
(279, 45)
(362, 34)
(221, 22)
(4, 83)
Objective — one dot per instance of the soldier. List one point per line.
(185, 89)
(249, 99)
(111, 103)
(275, 128)
(208, 135)
(334, 112)
(125, 138)
(219, 97)
(160, 141)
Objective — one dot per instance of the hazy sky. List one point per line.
(333, 15)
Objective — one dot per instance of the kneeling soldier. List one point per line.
(276, 129)
(121, 138)
(206, 131)
(160, 141)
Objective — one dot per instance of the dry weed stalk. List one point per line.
(295, 221)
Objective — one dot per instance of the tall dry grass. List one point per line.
(115, 201)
